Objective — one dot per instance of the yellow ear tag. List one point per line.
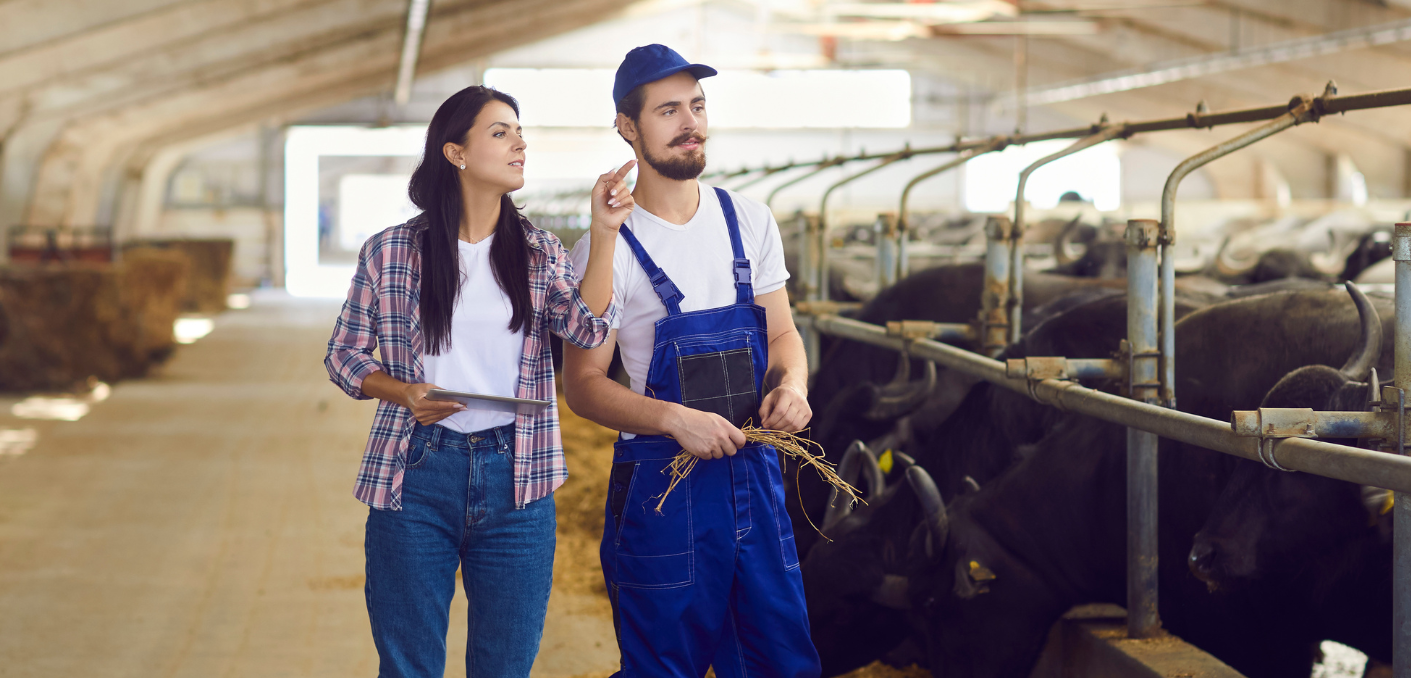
(885, 461)
(1390, 502)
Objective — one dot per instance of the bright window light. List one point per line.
(42, 407)
(582, 97)
(304, 275)
(17, 441)
(368, 203)
(1359, 188)
(991, 180)
(188, 330)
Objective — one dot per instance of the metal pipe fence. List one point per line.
(1148, 362)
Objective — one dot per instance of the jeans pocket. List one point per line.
(417, 452)
(653, 547)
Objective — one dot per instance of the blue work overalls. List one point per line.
(713, 579)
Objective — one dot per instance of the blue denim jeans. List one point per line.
(458, 511)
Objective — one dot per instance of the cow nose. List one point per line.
(1202, 560)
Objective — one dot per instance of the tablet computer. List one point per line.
(480, 401)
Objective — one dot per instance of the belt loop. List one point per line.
(502, 437)
(435, 436)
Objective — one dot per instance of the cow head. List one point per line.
(854, 581)
(1105, 255)
(1272, 523)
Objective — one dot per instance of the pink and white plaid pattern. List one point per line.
(381, 311)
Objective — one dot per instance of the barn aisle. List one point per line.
(200, 523)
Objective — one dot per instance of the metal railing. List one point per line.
(1148, 360)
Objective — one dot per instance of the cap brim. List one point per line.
(698, 70)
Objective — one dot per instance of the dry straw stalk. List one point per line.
(790, 444)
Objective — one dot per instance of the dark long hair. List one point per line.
(435, 188)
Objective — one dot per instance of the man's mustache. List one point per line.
(689, 136)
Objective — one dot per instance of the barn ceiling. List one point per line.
(92, 90)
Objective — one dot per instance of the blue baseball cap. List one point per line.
(650, 64)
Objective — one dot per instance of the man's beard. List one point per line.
(679, 168)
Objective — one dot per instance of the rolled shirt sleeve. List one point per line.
(349, 359)
(569, 316)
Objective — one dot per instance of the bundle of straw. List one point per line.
(790, 444)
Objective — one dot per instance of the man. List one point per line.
(706, 574)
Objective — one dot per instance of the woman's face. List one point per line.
(493, 153)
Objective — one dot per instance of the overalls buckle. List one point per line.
(742, 271)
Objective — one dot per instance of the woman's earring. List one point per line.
(462, 166)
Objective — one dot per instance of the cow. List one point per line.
(969, 447)
(1301, 536)
(848, 396)
(1050, 533)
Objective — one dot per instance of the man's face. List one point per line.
(671, 130)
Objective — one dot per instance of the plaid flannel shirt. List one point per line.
(382, 313)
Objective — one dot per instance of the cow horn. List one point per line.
(932, 507)
(1334, 261)
(1228, 265)
(872, 471)
(902, 396)
(1371, 348)
(848, 469)
(891, 592)
(1060, 244)
(903, 460)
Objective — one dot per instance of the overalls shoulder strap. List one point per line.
(744, 288)
(666, 290)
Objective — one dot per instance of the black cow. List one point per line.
(1298, 536)
(1050, 533)
(850, 401)
(974, 444)
(1372, 247)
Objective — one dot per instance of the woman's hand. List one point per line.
(612, 202)
(427, 411)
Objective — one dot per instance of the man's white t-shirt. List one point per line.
(697, 257)
(484, 355)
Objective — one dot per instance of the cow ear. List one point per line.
(971, 579)
(1378, 502)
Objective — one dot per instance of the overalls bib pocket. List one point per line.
(718, 376)
(652, 550)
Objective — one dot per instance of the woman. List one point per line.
(460, 298)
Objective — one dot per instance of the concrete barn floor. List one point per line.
(200, 523)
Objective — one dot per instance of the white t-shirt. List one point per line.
(697, 257)
(484, 355)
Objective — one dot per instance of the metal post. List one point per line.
(994, 320)
(903, 225)
(822, 166)
(1401, 560)
(805, 225)
(1143, 618)
(823, 215)
(812, 342)
(885, 231)
(1014, 302)
(1301, 110)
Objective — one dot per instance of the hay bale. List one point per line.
(65, 323)
(155, 287)
(210, 269)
